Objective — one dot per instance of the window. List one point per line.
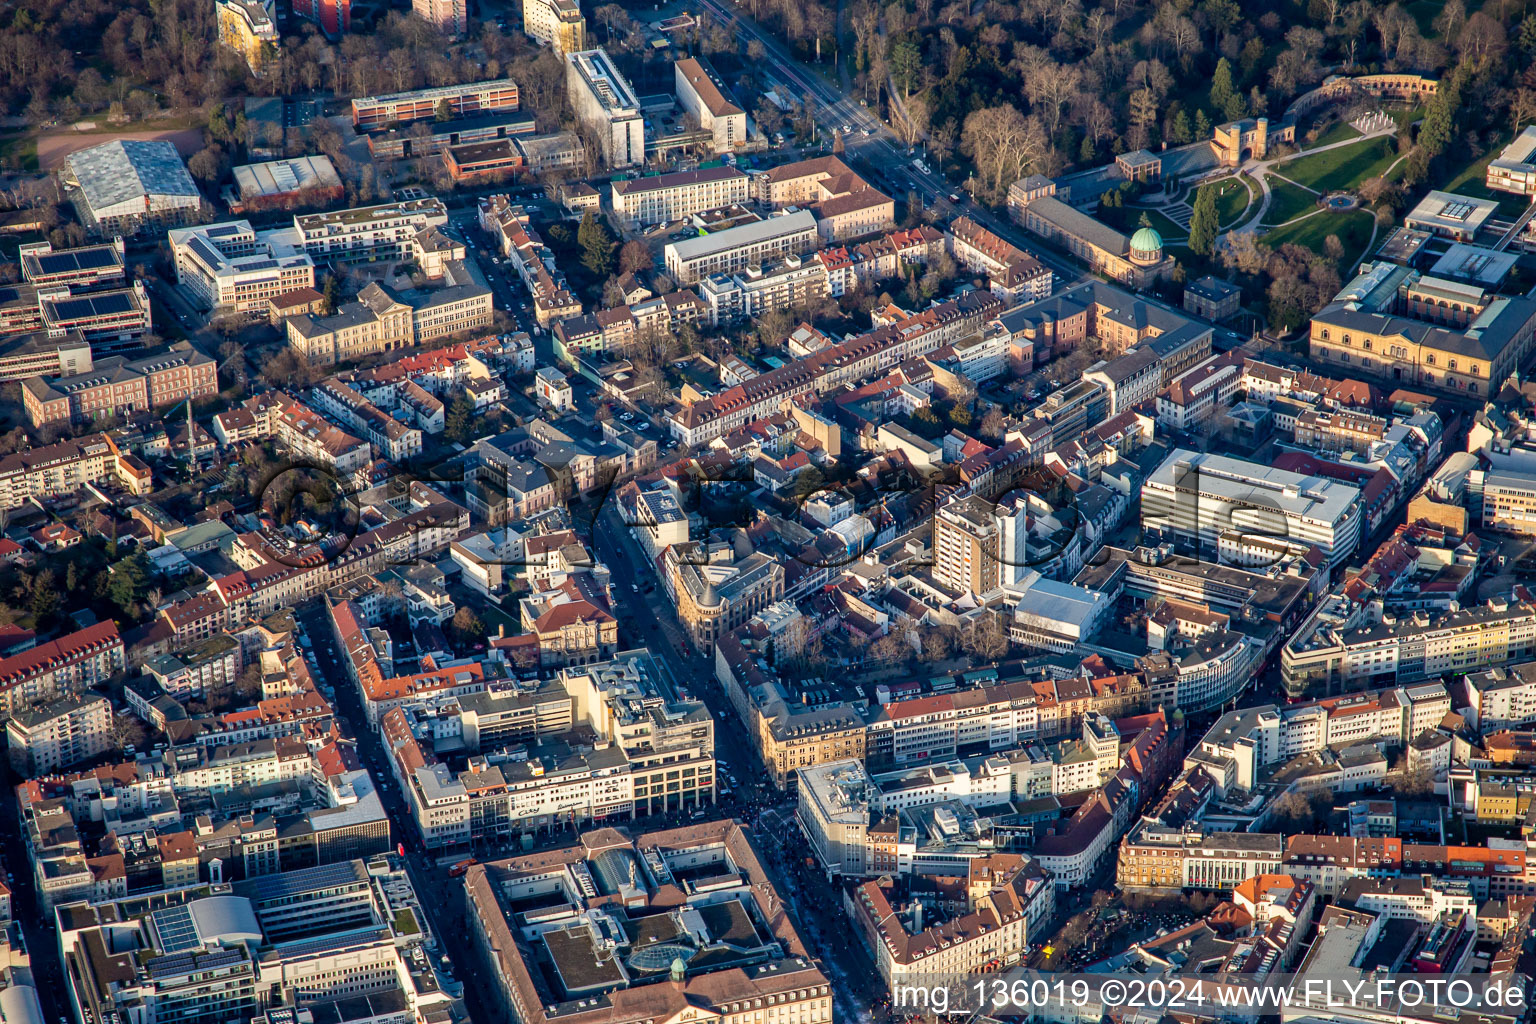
(1430, 359)
(1346, 339)
(1452, 364)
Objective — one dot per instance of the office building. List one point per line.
(1242, 513)
(116, 386)
(700, 95)
(735, 249)
(558, 23)
(228, 268)
(48, 737)
(129, 185)
(640, 202)
(496, 96)
(88, 266)
(606, 104)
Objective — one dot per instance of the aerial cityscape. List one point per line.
(750, 512)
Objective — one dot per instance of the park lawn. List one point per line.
(1233, 196)
(1161, 223)
(1338, 132)
(19, 152)
(1287, 201)
(1341, 168)
(1353, 229)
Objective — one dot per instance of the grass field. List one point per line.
(1337, 132)
(1353, 229)
(1233, 196)
(1161, 223)
(1287, 201)
(1341, 168)
(19, 152)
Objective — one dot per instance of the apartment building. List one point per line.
(1015, 275)
(495, 96)
(605, 103)
(794, 282)
(451, 17)
(248, 28)
(116, 386)
(394, 439)
(228, 268)
(1128, 380)
(1500, 698)
(735, 249)
(700, 95)
(831, 367)
(640, 202)
(56, 470)
(1240, 512)
(387, 231)
(559, 23)
(54, 735)
(77, 661)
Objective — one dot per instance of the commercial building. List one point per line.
(1239, 512)
(756, 965)
(1136, 261)
(700, 95)
(496, 96)
(559, 23)
(451, 17)
(1421, 645)
(229, 268)
(1513, 170)
(286, 183)
(640, 202)
(247, 27)
(116, 386)
(604, 101)
(129, 185)
(48, 737)
(1377, 326)
(737, 248)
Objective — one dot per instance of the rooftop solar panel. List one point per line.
(96, 257)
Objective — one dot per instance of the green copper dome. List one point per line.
(1146, 240)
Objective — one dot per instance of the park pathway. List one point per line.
(1260, 170)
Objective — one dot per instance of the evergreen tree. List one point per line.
(1223, 96)
(1178, 128)
(1203, 222)
(459, 422)
(1202, 126)
(596, 246)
